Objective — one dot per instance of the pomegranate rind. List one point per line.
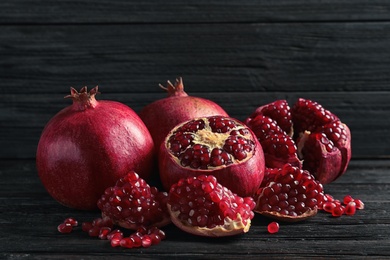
(229, 228)
(277, 216)
(242, 178)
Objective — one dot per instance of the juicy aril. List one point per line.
(87, 146)
(164, 114)
(307, 136)
(216, 145)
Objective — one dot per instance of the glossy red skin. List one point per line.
(82, 151)
(243, 179)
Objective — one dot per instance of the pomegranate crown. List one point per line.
(176, 90)
(83, 98)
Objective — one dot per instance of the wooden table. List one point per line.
(240, 54)
(29, 219)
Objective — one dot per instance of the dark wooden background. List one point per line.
(241, 54)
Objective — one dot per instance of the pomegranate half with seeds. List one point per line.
(202, 206)
(217, 145)
(307, 136)
(291, 195)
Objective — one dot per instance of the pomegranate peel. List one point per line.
(228, 228)
(162, 115)
(90, 144)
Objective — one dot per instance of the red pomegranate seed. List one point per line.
(65, 228)
(338, 211)
(86, 226)
(273, 227)
(329, 206)
(347, 199)
(116, 240)
(94, 231)
(113, 233)
(359, 204)
(104, 231)
(71, 221)
(146, 241)
(350, 208)
(126, 242)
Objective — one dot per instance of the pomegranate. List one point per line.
(307, 136)
(162, 115)
(217, 145)
(202, 206)
(291, 195)
(87, 146)
(132, 203)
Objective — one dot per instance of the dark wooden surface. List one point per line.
(241, 54)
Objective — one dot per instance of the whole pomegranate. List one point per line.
(164, 114)
(87, 146)
(307, 136)
(215, 145)
(202, 206)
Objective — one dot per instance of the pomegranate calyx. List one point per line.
(229, 228)
(176, 90)
(83, 99)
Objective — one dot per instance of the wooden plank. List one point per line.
(27, 209)
(367, 114)
(261, 57)
(120, 11)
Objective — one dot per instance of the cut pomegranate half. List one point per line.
(202, 206)
(217, 145)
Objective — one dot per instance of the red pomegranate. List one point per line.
(307, 134)
(87, 146)
(164, 114)
(216, 145)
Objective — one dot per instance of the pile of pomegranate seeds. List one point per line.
(132, 203)
(348, 206)
(104, 230)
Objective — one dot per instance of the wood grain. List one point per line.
(28, 210)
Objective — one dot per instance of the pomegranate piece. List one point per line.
(273, 227)
(306, 135)
(202, 206)
(132, 203)
(164, 114)
(217, 145)
(292, 195)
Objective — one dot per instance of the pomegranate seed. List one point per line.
(338, 211)
(126, 242)
(94, 231)
(104, 231)
(71, 221)
(65, 228)
(146, 241)
(116, 241)
(113, 233)
(329, 206)
(359, 204)
(347, 199)
(350, 208)
(86, 226)
(273, 227)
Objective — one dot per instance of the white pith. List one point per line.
(229, 228)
